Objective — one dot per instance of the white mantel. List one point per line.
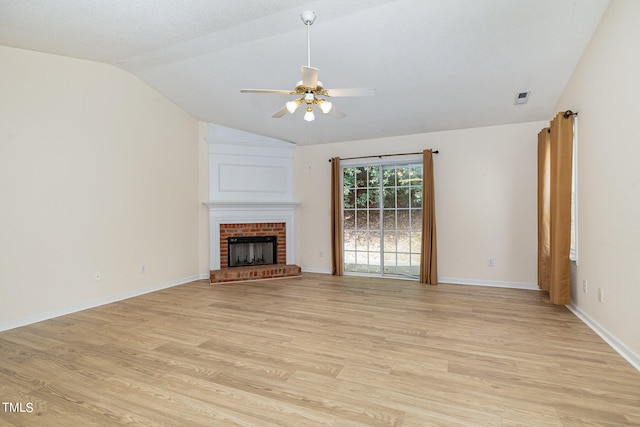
(249, 206)
(250, 181)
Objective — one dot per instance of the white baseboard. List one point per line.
(610, 339)
(315, 270)
(492, 283)
(451, 280)
(38, 317)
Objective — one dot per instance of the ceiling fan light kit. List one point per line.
(292, 106)
(310, 88)
(325, 106)
(309, 116)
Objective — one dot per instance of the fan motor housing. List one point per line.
(318, 90)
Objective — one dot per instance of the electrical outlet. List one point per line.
(600, 295)
(491, 262)
(97, 277)
(584, 286)
(143, 269)
(321, 254)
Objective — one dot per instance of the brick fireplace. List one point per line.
(277, 229)
(253, 219)
(229, 219)
(250, 194)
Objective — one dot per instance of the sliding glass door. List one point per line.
(382, 218)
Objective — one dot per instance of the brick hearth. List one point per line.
(257, 272)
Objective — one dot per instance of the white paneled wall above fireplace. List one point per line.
(247, 167)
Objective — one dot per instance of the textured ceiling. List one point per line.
(436, 65)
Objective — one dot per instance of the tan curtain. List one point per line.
(428, 250)
(337, 260)
(544, 165)
(559, 211)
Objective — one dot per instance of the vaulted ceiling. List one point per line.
(435, 64)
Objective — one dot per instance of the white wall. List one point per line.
(604, 90)
(485, 184)
(98, 173)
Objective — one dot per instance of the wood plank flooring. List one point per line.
(318, 351)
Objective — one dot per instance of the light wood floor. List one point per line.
(318, 351)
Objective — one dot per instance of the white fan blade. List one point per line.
(284, 92)
(309, 77)
(356, 91)
(336, 113)
(281, 112)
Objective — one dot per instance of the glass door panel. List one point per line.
(382, 219)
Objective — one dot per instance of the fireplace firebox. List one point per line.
(252, 250)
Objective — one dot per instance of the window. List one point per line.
(573, 254)
(382, 218)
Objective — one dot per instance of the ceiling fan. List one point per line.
(310, 89)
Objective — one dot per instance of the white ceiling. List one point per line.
(436, 64)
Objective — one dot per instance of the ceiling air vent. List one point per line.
(522, 98)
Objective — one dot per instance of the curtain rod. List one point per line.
(385, 155)
(566, 115)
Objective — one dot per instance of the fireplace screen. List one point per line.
(252, 250)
